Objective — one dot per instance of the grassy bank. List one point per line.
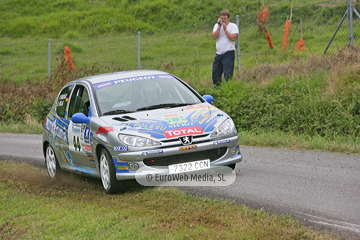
(36, 207)
(42, 19)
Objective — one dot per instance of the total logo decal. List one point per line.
(196, 130)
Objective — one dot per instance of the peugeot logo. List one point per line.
(186, 140)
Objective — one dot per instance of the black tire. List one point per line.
(232, 166)
(107, 172)
(51, 161)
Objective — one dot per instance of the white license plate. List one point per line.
(189, 166)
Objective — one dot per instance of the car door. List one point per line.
(60, 125)
(79, 133)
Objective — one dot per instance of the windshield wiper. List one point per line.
(164, 105)
(118, 111)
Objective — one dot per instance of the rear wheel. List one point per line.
(107, 172)
(51, 161)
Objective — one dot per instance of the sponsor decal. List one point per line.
(60, 133)
(188, 147)
(50, 126)
(87, 135)
(175, 119)
(76, 128)
(183, 132)
(133, 79)
(152, 152)
(84, 170)
(186, 140)
(88, 148)
(104, 130)
(69, 157)
(181, 125)
(165, 76)
(121, 148)
(104, 85)
(195, 107)
(63, 96)
(221, 141)
(143, 125)
(101, 137)
(56, 131)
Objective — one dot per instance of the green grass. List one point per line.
(33, 206)
(43, 19)
(299, 141)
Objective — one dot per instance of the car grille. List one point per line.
(211, 154)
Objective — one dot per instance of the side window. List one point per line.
(79, 101)
(62, 101)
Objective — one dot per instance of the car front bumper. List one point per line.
(220, 153)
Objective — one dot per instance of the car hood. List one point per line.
(168, 122)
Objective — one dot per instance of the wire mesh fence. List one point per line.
(189, 51)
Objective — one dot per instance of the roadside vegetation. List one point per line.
(33, 206)
(306, 104)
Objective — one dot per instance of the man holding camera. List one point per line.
(225, 33)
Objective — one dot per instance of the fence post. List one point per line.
(238, 44)
(351, 32)
(49, 58)
(139, 38)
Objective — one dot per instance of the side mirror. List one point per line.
(80, 118)
(210, 99)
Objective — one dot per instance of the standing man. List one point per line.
(225, 33)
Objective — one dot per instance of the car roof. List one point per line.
(120, 75)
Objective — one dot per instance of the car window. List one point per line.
(62, 101)
(130, 96)
(79, 101)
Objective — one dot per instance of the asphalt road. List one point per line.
(320, 189)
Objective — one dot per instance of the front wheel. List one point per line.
(107, 173)
(232, 166)
(51, 161)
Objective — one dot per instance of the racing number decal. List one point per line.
(76, 137)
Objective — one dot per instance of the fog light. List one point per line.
(234, 150)
(132, 166)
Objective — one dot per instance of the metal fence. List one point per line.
(189, 51)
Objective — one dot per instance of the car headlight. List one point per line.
(135, 141)
(225, 128)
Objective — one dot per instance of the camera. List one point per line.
(220, 21)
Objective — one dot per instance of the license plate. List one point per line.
(189, 166)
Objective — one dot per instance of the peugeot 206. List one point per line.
(111, 125)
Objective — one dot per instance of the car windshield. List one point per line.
(142, 95)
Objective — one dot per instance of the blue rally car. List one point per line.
(109, 126)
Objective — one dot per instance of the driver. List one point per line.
(150, 93)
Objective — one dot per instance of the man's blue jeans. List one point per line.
(223, 63)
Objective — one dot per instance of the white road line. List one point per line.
(333, 223)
